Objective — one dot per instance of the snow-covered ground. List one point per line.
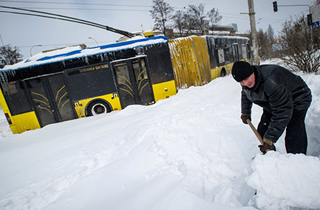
(189, 152)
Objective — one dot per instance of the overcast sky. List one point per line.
(26, 31)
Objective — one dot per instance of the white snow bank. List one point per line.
(286, 180)
(313, 114)
(189, 152)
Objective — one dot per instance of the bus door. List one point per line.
(50, 99)
(235, 51)
(133, 82)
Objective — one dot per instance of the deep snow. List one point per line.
(189, 152)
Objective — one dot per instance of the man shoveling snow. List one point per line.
(285, 99)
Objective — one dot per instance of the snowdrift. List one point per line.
(189, 152)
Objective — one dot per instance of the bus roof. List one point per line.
(76, 52)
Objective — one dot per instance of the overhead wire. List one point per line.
(52, 17)
(108, 9)
(74, 3)
(65, 18)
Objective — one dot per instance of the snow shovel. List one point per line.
(255, 132)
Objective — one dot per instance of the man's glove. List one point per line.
(267, 146)
(244, 118)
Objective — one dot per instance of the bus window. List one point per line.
(133, 82)
(41, 100)
(60, 97)
(221, 56)
(125, 84)
(15, 97)
(90, 81)
(244, 51)
(50, 99)
(235, 52)
(142, 81)
(228, 55)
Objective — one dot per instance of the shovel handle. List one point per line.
(255, 132)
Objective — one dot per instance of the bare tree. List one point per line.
(265, 43)
(10, 55)
(161, 13)
(190, 24)
(198, 15)
(194, 20)
(184, 22)
(297, 46)
(179, 21)
(270, 34)
(262, 44)
(214, 16)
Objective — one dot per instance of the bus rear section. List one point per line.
(224, 51)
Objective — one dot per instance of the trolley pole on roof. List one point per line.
(256, 58)
(94, 40)
(39, 45)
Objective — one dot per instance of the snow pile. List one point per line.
(189, 152)
(313, 115)
(286, 180)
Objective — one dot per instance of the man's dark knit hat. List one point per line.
(241, 70)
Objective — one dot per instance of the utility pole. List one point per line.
(256, 58)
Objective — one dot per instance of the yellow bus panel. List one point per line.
(3, 103)
(164, 90)
(24, 122)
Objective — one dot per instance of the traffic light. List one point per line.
(309, 19)
(275, 6)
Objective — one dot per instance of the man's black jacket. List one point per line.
(279, 92)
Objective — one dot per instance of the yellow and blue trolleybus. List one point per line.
(75, 82)
(72, 83)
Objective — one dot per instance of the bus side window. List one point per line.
(15, 97)
(140, 72)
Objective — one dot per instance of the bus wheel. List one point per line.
(98, 107)
(223, 73)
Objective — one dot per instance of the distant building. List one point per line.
(315, 10)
